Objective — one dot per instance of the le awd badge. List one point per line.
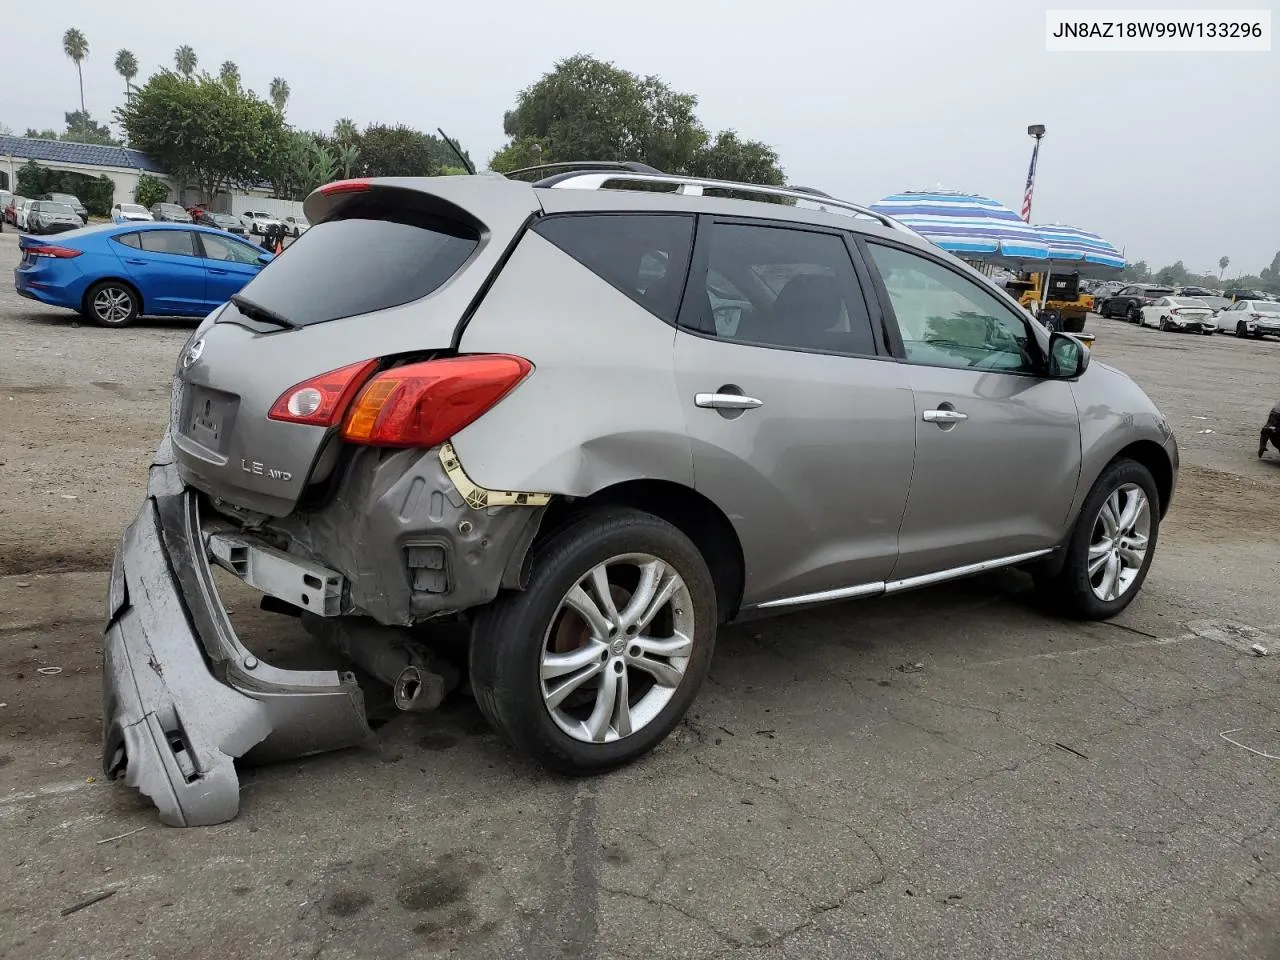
(261, 470)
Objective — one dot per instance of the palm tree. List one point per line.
(127, 67)
(279, 93)
(344, 131)
(185, 59)
(347, 158)
(229, 74)
(1223, 263)
(75, 46)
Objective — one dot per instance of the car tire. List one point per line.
(1082, 594)
(112, 303)
(1241, 332)
(1134, 314)
(1164, 325)
(515, 639)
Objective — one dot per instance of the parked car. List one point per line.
(222, 221)
(12, 207)
(52, 216)
(257, 222)
(1181, 314)
(129, 213)
(386, 428)
(170, 213)
(1127, 303)
(24, 213)
(1251, 318)
(72, 201)
(114, 274)
(6, 198)
(295, 226)
(1193, 292)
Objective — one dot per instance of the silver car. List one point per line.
(590, 424)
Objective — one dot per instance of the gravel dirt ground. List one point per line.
(953, 773)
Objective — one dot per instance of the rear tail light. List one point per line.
(322, 400)
(61, 253)
(423, 404)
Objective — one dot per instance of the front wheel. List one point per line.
(1111, 547)
(1241, 332)
(594, 663)
(111, 304)
(1135, 315)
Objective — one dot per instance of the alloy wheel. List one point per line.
(617, 648)
(1118, 546)
(112, 305)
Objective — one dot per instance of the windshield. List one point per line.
(1262, 306)
(224, 218)
(63, 198)
(50, 207)
(1188, 302)
(132, 208)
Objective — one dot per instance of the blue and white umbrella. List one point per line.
(972, 227)
(1080, 250)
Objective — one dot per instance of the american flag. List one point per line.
(1031, 182)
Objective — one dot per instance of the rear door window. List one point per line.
(374, 255)
(645, 256)
(782, 287)
(178, 242)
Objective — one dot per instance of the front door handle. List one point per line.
(944, 416)
(135, 262)
(726, 401)
(221, 273)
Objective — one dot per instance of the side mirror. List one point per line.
(1068, 357)
(265, 258)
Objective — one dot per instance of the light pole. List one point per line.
(1035, 130)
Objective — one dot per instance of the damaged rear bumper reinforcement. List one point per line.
(183, 698)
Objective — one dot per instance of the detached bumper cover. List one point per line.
(183, 698)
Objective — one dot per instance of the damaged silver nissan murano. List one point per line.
(590, 418)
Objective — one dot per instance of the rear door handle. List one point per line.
(726, 401)
(222, 273)
(136, 262)
(944, 416)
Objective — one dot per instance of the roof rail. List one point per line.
(694, 186)
(570, 165)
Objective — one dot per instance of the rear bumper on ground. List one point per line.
(183, 697)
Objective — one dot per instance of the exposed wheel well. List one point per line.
(84, 301)
(1152, 456)
(694, 515)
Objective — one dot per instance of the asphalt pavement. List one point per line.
(950, 773)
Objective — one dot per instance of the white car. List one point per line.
(129, 212)
(257, 222)
(1183, 314)
(23, 213)
(1251, 318)
(296, 226)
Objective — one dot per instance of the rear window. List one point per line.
(370, 257)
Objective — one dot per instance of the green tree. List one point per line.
(150, 191)
(203, 133)
(229, 74)
(279, 93)
(1223, 263)
(75, 46)
(1136, 272)
(82, 128)
(1172, 275)
(586, 109)
(185, 59)
(397, 151)
(45, 134)
(345, 131)
(347, 158)
(127, 67)
(1270, 276)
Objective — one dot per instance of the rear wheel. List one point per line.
(1111, 546)
(594, 663)
(111, 304)
(1134, 315)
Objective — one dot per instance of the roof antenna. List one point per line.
(466, 164)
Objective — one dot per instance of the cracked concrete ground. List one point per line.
(1034, 788)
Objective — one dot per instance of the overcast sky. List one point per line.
(1171, 156)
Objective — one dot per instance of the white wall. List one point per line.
(241, 203)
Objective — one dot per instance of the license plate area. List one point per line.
(208, 417)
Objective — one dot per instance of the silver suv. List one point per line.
(591, 419)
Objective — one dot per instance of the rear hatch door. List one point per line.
(388, 267)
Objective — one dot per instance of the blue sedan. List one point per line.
(115, 273)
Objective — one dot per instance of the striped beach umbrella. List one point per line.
(973, 227)
(1079, 250)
